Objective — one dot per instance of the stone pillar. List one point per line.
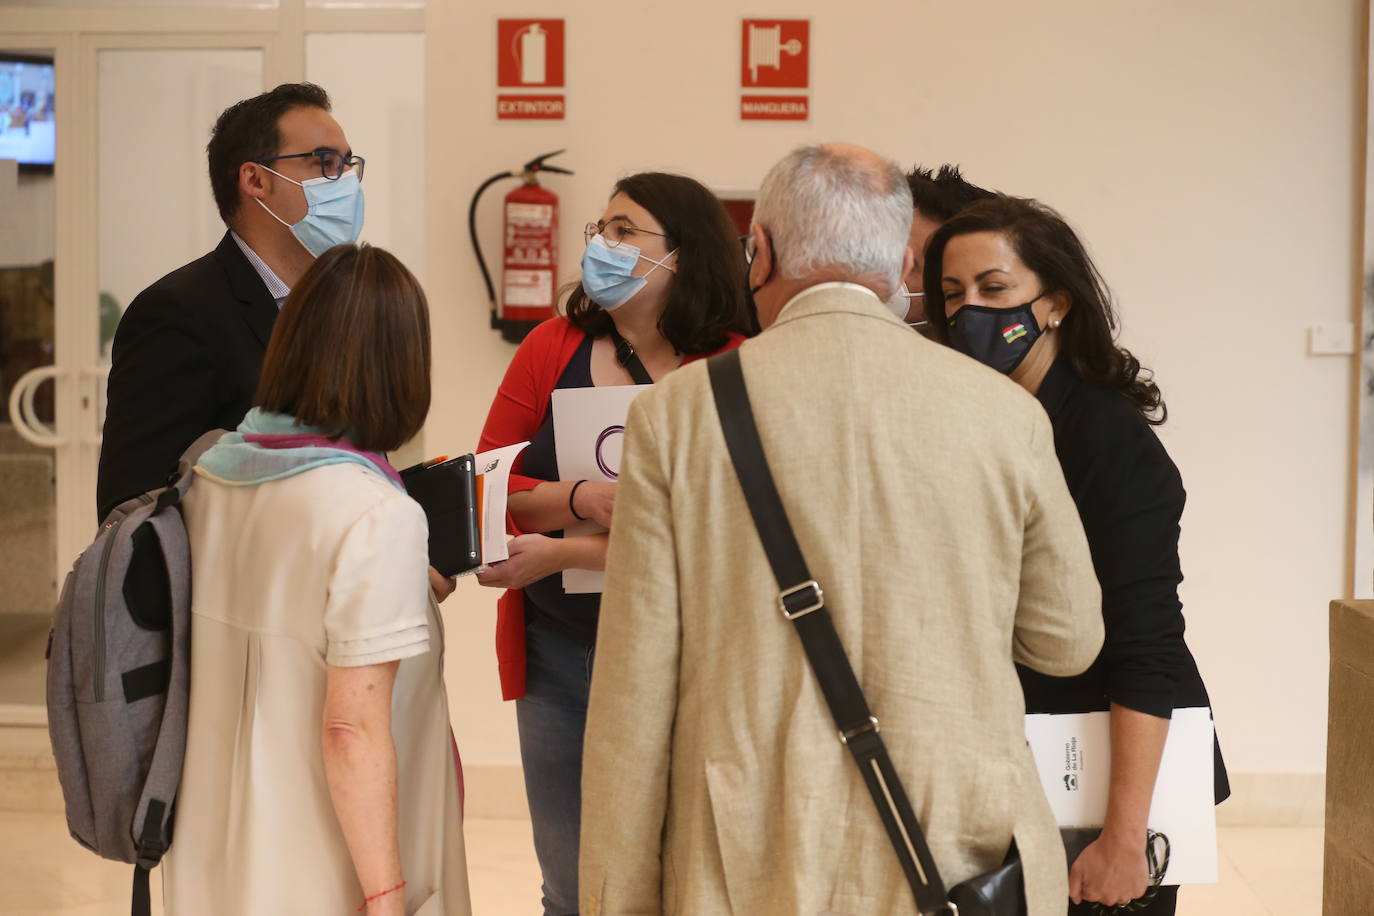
(1348, 880)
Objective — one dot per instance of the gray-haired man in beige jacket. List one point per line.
(928, 502)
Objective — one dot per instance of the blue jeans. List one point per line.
(552, 717)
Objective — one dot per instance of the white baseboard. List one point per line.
(26, 714)
(28, 783)
(1274, 800)
(1257, 799)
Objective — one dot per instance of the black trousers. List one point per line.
(1164, 903)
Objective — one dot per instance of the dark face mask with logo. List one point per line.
(999, 338)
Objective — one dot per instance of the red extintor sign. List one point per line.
(530, 107)
(529, 55)
(776, 54)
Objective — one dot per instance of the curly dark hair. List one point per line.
(708, 297)
(1046, 244)
(246, 131)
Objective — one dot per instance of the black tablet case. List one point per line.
(448, 493)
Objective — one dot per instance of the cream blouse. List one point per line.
(327, 567)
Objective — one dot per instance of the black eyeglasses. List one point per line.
(333, 163)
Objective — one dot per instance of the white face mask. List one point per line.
(900, 303)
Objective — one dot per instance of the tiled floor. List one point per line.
(1265, 872)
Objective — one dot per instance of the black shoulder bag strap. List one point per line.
(625, 355)
(801, 601)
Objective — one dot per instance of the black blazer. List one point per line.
(1130, 497)
(187, 356)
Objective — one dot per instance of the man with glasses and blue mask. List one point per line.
(188, 351)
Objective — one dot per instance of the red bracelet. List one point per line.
(390, 890)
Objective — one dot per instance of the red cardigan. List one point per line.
(521, 404)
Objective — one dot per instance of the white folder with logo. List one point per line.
(589, 436)
(1073, 753)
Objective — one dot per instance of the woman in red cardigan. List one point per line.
(663, 283)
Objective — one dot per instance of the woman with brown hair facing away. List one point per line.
(319, 777)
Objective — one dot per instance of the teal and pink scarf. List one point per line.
(270, 446)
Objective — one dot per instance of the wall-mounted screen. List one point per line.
(28, 126)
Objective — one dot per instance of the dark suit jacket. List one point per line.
(1130, 497)
(187, 355)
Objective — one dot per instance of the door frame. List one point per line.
(76, 36)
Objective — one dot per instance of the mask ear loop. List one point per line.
(299, 184)
(909, 296)
(283, 178)
(658, 264)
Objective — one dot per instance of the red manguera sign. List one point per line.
(774, 108)
(531, 107)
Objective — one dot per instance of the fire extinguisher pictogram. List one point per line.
(529, 262)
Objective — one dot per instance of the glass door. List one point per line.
(28, 467)
(123, 200)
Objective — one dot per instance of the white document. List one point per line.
(1073, 753)
(493, 475)
(589, 436)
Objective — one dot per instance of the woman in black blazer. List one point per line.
(1009, 283)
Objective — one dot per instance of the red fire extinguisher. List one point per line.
(529, 261)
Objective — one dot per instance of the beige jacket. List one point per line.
(927, 498)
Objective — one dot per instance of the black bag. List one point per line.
(1002, 891)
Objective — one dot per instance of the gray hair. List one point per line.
(828, 209)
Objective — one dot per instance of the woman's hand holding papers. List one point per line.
(535, 556)
(1113, 870)
(1110, 871)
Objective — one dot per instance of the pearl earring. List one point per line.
(1055, 323)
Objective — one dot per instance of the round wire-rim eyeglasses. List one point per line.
(620, 227)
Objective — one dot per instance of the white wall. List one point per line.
(376, 85)
(1207, 151)
(156, 109)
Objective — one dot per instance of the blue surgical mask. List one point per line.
(607, 273)
(333, 215)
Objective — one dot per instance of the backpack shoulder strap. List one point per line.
(801, 601)
(182, 478)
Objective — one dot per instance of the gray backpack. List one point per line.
(119, 678)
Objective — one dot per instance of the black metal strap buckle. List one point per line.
(800, 600)
(870, 726)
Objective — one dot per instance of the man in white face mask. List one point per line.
(189, 349)
(936, 196)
